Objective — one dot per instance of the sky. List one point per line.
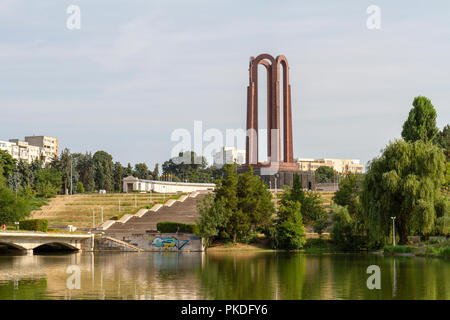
(138, 70)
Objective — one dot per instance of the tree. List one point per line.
(290, 232)
(84, 165)
(347, 232)
(80, 188)
(443, 225)
(48, 182)
(103, 175)
(404, 182)
(188, 166)
(26, 176)
(213, 216)
(155, 172)
(255, 200)
(141, 171)
(320, 225)
(421, 122)
(236, 222)
(325, 174)
(443, 140)
(8, 163)
(65, 166)
(129, 170)
(244, 202)
(118, 175)
(348, 193)
(12, 208)
(311, 203)
(35, 167)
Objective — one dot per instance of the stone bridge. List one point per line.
(29, 241)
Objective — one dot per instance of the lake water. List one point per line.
(231, 275)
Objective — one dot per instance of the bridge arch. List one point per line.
(12, 245)
(55, 246)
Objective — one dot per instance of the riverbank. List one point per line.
(312, 245)
(222, 247)
(429, 249)
(435, 248)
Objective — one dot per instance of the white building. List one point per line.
(33, 148)
(339, 165)
(11, 148)
(131, 184)
(229, 155)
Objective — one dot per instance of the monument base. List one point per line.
(283, 176)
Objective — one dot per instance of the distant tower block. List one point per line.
(285, 163)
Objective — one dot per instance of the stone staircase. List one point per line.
(126, 245)
(182, 210)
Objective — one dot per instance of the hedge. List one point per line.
(34, 225)
(172, 227)
(398, 249)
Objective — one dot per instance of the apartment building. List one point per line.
(229, 155)
(33, 148)
(11, 148)
(48, 144)
(339, 165)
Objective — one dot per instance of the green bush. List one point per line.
(253, 237)
(320, 224)
(316, 243)
(34, 225)
(80, 187)
(445, 252)
(436, 240)
(172, 227)
(290, 231)
(432, 251)
(443, 225)
(347, 233)
(398, 249)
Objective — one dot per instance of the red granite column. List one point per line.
(287, 114)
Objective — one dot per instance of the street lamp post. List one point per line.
(276, 195)
(393, 231)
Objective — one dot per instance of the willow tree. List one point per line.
(403, 182)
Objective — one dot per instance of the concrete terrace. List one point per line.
(182, 210)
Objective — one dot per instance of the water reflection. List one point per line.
(243, 275)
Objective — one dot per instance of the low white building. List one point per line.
(131, 184)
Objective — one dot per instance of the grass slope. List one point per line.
(78, 209)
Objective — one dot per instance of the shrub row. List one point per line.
(34, 225)
(443, 252)
(172, 227)
(398, 249)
